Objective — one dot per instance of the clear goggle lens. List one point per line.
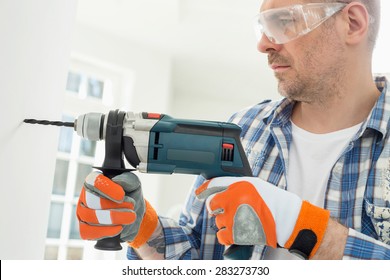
(285, 24)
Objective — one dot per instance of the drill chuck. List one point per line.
(91, 126)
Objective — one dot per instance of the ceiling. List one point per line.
(176, 25)
(210, 41)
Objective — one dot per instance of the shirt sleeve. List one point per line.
(363, 247)
(192, 237)
(177, 244)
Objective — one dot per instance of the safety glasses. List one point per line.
(285, 24)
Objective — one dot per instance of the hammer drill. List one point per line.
(158, 143)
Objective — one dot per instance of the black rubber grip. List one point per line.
(113, 165)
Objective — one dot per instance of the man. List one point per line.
(320, 156)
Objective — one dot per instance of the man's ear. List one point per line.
(358, 21)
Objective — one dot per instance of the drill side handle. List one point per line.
(113, 165)
(109, 243)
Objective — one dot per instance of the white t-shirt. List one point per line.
(311, 158)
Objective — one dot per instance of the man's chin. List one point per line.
(289, 90)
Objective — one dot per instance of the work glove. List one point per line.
(250, 211)
(107, 208)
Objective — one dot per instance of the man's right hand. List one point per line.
(107, 208)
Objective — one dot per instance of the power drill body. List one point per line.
(156, 143)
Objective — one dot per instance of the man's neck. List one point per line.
(349, 107)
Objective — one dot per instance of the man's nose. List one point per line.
(265, 45)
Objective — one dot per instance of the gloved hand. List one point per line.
(107, 208)
(250, 211)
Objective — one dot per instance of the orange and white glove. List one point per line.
(250, 211)
(107, 208)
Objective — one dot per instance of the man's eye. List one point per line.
(285, 21)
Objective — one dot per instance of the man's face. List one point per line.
(309, 68)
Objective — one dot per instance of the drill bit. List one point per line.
(46, 122)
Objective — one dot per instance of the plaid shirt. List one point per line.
(357, 195)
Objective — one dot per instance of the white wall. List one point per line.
(34, 54)
(381, 58)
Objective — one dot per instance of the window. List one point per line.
(89, 88)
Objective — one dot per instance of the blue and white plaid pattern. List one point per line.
(358, 191)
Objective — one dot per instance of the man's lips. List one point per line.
(279, 68)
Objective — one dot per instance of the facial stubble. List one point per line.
(316, 78)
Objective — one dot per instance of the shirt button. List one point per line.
(338, 168)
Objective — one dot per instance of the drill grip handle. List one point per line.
(113, 165)
(109, 243)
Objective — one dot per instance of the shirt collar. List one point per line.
(378, 119)
(280, 113)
